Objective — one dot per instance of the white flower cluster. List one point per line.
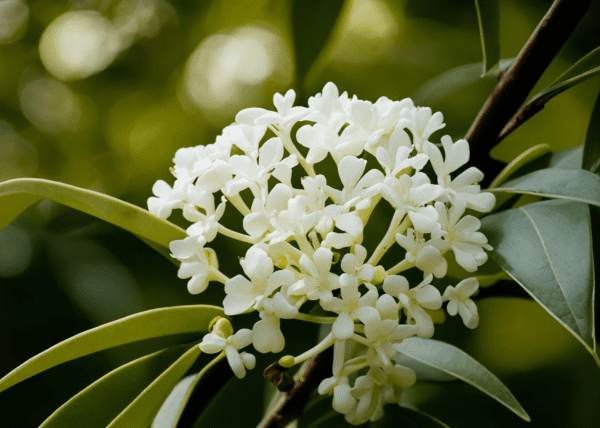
(306, 240)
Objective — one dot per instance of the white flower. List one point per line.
(459, 301)
(243, 294)
(284, 119)
(463, 188)
(358, 189)
(206, 225)
(353, 264)
(294, 222)
(322, 139)
(166, 198)
(318, 282)
(194, 262)
(258, 221)
(222, 338)
(254, 173)
(245, 137)
(381, 335)
(328, 105)
(346, 307)
(411, 194)
(415, 301)
(372, 121)
(422, 124)
(462, 237)
(426, 255)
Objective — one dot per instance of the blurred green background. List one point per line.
(100, 94)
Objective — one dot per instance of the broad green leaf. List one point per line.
(451, 360)
(98, 404)
(144, 325)
(453, 80)
(399, 416)
(488, 12)
(312, 24)
(425, 372)
(143, 409)
(586, 68)
(171, 410)
(591, 148)
(546, 248)
(524, 158)
(575, 185)
(16, 195)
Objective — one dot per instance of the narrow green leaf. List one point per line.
(567, 158)
(98, 404)
(16, 195)
(546, 248)
(451, 360)
(312, 24)
(143, 409)
(405, 417)
(453, 80)
(591, 148)
(144, 325)
(586, 68)
(425, 372)
(575, 185)
(524, 158)
(488, 13)
(171, 410)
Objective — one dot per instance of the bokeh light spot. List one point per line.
(79, 44)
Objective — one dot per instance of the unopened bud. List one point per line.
(287, 361)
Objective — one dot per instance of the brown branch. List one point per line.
(518, 81)
(526, 113)
(295, 400)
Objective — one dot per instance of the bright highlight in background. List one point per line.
(79, 44)
(228, 72)
(13, 18)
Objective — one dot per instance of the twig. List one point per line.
(518, 81)
(295, 399)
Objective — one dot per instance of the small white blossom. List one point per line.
(243, 294)
(462, 237)
(223, 339)
(194, 262)
(459, 301)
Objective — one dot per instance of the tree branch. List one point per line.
(518, 81)
(296, 398)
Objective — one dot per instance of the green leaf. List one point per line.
(171, 410)
(586, 68)
(144, 325)
(591, 148)
(98, 404)
(451, 360)
(425, 372)
(524, 158)
(567, 158)
(16, 195)
(488, 12)
(453, 80)
(312, 24)
(575, 185)
(143, 409)
(405, 417)
(546, 248)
